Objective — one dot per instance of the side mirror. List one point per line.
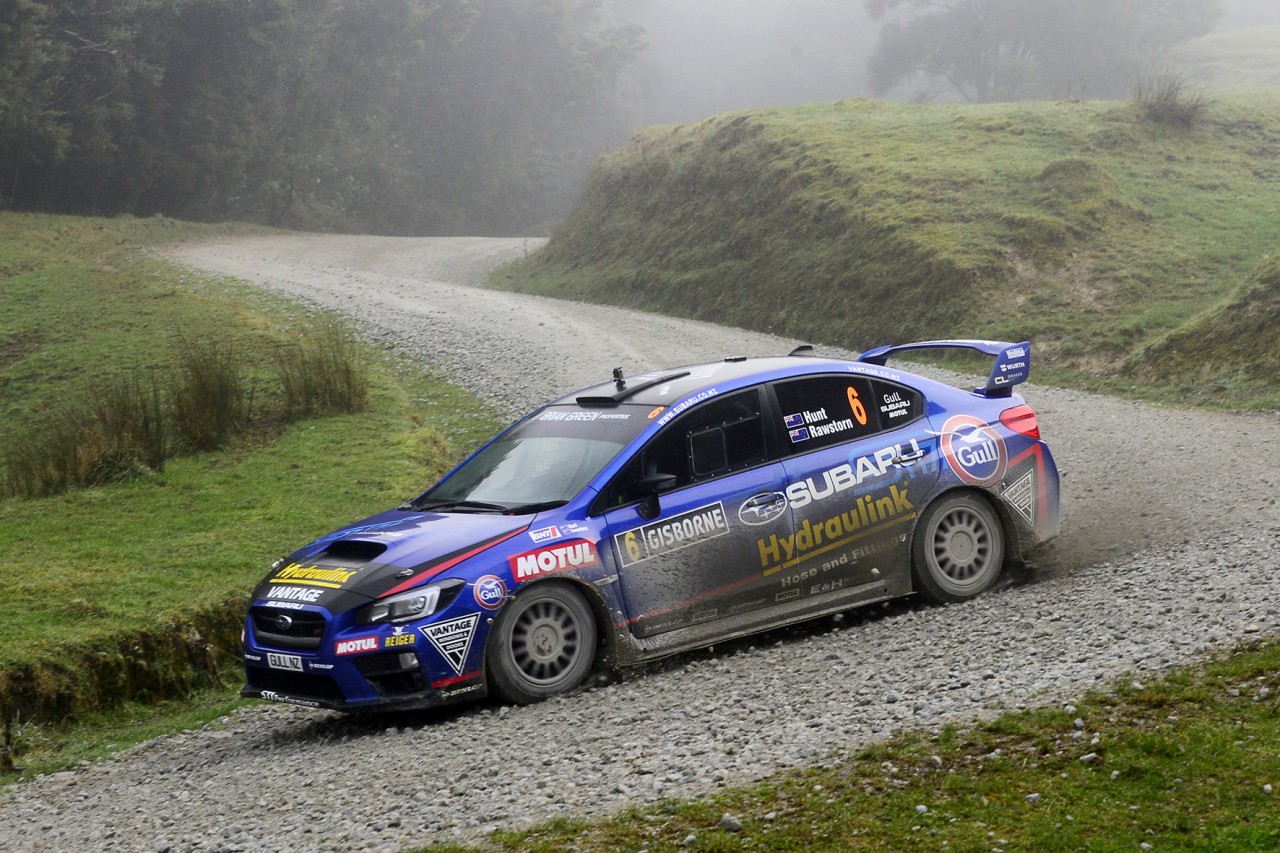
(652, 486)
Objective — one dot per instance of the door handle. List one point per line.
(765, 500)
(908, 458)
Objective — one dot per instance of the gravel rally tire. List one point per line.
(543, 644)
(958, 550)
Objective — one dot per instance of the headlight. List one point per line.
(414, 604)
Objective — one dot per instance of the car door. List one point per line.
(859, 457)
(697, 559)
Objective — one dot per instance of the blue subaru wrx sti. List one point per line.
(657, 513)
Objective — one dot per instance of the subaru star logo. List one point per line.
(763, 509)
(284, 622)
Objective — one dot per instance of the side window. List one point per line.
(820, 411)
(718, 437)
(896, 405)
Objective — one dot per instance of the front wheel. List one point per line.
(958, 550)
(543, 643)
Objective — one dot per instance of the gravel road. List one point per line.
(1170, 550)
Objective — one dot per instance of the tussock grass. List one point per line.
(126, 425)
(211, 397)
(115, 432)
(322, 372)
(1167, 98)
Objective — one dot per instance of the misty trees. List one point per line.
(400, 116)
(66, 71)
(989, 50)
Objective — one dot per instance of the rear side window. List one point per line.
(896, 405)
(819, 411)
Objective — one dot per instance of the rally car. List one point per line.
(657, 513)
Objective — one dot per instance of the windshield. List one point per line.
(543, 462)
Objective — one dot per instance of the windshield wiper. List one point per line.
(436, 506)
(528, 509)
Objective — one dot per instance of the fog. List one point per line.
(709, 56)
(1250, 13)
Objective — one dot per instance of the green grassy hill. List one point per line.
(1090, 228)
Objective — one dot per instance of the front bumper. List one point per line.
(319, 662)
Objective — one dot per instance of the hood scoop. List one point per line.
(352, 551)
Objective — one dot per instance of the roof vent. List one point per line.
(802, 350)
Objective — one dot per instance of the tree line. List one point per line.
(443, 116)
(1006, 50)
(392, 116)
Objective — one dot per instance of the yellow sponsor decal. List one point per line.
(868, 516)
(295, 573)
(396, 640)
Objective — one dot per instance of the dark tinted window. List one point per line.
(896, 405)
(820, 411)
(718, 437)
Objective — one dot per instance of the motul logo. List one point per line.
(578, 554)
(359, 644)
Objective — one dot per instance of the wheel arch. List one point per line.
(1013, 551)
(591, 594)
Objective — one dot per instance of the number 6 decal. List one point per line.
(859, 410)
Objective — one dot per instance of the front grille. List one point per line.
(287, 629)
(299, 684)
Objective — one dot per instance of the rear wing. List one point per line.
(1013, 361)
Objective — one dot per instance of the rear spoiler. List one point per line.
(1013, 361)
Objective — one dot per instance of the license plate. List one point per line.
(292, 663)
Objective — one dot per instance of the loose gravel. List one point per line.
(1170, 550)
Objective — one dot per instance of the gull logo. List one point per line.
(762, 509)
(974, 450)
(490, 592)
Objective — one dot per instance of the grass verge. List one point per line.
(1187, 762)
(136, 591)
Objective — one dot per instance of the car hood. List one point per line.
(383, 555)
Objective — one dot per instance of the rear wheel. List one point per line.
(958, 550)
(543, 643)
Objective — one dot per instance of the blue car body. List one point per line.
(657, 513)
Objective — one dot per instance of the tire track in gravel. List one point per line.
(1170, 549)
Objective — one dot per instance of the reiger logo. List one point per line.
(578, 554)
(974, 450)
(356, 646)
